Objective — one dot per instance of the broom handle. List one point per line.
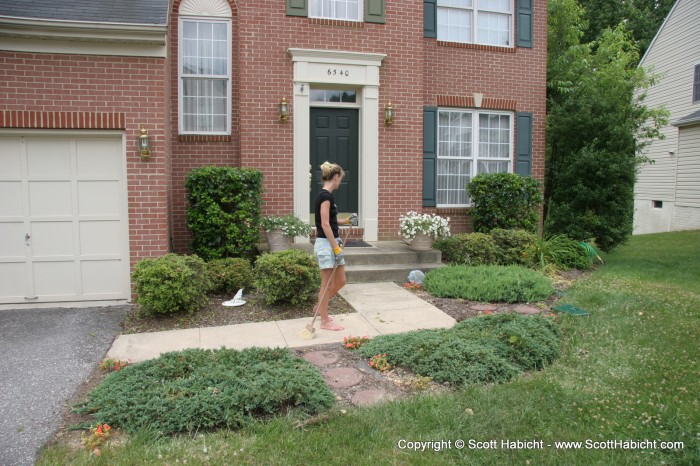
(330, 280)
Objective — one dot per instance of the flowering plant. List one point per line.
(355, 342)
(412, 285)
(429, 224)
(380, 363)
(109, 365)
(290, 224)
(99, 434)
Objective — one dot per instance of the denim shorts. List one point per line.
(324, 254)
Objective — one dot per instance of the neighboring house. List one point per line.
(205, 78)
(667, 192)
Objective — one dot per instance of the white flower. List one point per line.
(429, 224)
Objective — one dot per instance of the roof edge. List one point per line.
(653, 41)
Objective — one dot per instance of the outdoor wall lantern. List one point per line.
(144, 144)
(389, 114)
(478, 97)
(284, 110)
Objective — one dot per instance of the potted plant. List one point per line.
(281, 229)
(420, 230)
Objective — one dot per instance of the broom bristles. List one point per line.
(307, 333)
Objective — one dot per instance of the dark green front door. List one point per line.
(334, 137)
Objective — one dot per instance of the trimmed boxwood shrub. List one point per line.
(196, 389)
(504, 200)
(487, 349)
(224, 211)
(513, 247)
(231, 274)
(290, 276)
(468, 248)
(171, 284)
(489, 283)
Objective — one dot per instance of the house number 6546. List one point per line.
(336, 72)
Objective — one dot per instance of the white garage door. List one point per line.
(63, 221)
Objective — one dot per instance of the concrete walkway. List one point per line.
(382, 308)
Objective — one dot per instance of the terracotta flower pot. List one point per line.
(421, 242)
(277, 241)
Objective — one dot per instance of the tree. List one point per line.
(597, 125)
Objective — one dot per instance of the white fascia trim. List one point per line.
(658, 32)
(336, 56)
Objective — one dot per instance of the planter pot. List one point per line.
(277, 241)
(421, 242)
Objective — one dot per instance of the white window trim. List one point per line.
(360, 13)
(475, 144)
(180, 100)
(475, 14)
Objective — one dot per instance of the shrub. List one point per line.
(562, 252)
(171, 283)
(224, 211)
(489, 283)
(197, 389)
(513, 247)
(480, 350)
(290, 276)
(231, 274)
(504, 200)
(468, 248)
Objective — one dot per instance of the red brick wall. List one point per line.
(58, 91)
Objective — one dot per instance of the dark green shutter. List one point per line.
(297, 8)
(374, 11)
(430, 18)
(523, 144)
(524, 23)
(430, 157)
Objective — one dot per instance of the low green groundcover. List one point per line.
(489, 283)
(487, 349)
(199, 389)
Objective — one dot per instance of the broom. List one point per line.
(308, 332)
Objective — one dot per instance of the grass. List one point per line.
(628, 372)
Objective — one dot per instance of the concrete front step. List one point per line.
(397, 273)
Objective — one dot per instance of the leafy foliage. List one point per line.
(488, 283)
(512, 246)
(596, 128)
(197, 389)
(171, 284)
(561, 251)
(224, 212)
(504, 200)
(468, 248)
(231, 274)
(488, 349)
(290, 276)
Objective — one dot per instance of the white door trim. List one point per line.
(345, 69)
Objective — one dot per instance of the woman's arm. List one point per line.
(326, 223)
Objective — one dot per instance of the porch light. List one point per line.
(389, 114)
(144, 144)
(284, 110)
(478, 97)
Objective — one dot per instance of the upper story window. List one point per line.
(349, 10)
(488, 22)
(470, 143)
(205, 68)
(696, 84)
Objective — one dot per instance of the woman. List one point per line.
(327, 247)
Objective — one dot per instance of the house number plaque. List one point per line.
(338, 72)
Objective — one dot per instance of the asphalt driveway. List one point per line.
(46, 354)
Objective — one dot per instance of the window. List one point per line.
(488, 22)
(350, 10)
(205, 76)
(696, 84)
(321, 95)
(657, 204)
(470, 143)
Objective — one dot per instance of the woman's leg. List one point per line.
(337, 281)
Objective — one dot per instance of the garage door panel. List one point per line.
(102, 277)
(13, 281)
(100, 238)
(52, 239)
(50, 199)
(48, 158)
(98, 158)
(12, 244)
(54, 279)
(10, 159)
(10, 198)
(98, 198)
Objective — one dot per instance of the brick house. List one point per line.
(79, 205)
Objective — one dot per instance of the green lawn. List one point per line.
(629, 372)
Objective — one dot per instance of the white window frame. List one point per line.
(360, 12)
(443, 5)
(182, 76)
(475, 145)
